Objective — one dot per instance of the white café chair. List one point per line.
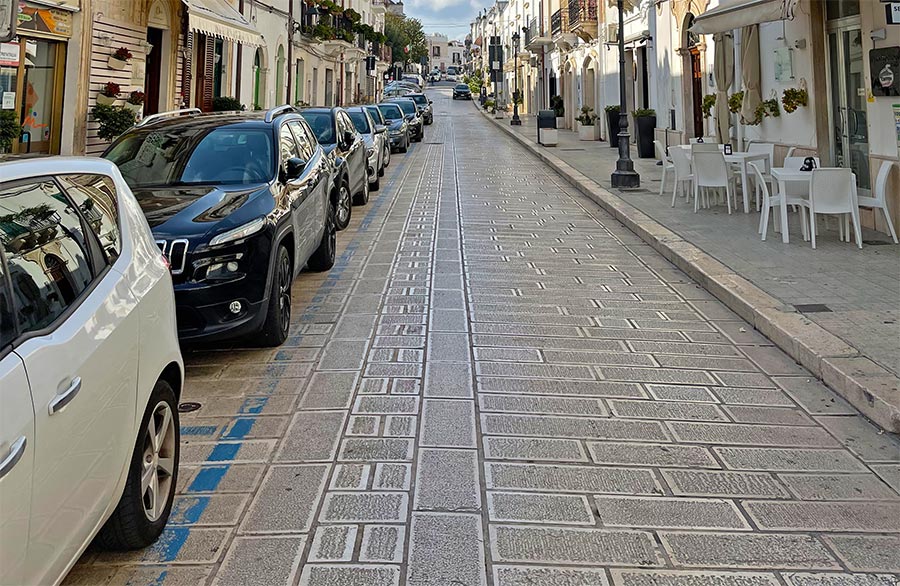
(683, 172)
(666, 163)
(833, 191)
(771, 202)
(711, 172)
(880, 199)
(706, 147)
(767, 148)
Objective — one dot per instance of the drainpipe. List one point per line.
(240, 59)
(290, 51)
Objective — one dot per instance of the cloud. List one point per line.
(449, 17)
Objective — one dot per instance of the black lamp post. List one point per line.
(624, 175)
(516, 121)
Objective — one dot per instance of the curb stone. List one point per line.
(866, 385)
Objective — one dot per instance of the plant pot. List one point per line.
(136, 108)
(560, 122)
(585, 132)
(105, 100)
(646, 126)
(597, 129)
(117, 64)
(612, 127)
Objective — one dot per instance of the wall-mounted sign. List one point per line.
(784, 64)
(892, 13)
(884, 64)
(9, 54)
(44, 20)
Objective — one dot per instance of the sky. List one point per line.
(449, 17)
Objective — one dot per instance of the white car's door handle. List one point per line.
(15, 454)
(66, 396)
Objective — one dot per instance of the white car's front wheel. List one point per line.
(145, 505)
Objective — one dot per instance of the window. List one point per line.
(7, 323)
(391, 111)
(304, 145)
(435, 51)
(46, 252)
(321, 124)
(360, 121)
(95, 196)
(286, 144)
(195, 155)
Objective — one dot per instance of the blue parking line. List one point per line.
(208, 479)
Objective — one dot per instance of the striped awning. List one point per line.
(218, 18)
(734, 14)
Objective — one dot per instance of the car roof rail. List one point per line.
(278, 111)
(170, 114)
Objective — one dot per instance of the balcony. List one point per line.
(583, 18)
(560, 33)
(536, 37)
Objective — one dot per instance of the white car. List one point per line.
(90, 369)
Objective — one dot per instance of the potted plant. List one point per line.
(109, 93)
(587, 129)
(558, 105)
(735, 101)
(119, 59)
(112, 120)
(227, 104)
(612, 125)
(10, 129)
(709, 102)
(792, 99)
(135, 102)
(645, 122)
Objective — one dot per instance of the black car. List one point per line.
(347, 151)
(239, 204)
(413, 117)
(462, 91)
(424, 105)
(398, 128)
(379, 118)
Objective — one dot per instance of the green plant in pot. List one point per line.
(109, 94)
(587, 129)
(612, 124)
(119, 59)
(227, 104)
(112, 120)
(793, 98)
(558, 105)
(709, 102)
(10, 129)
(735, 101)
(645, 123)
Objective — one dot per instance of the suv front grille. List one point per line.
(176, 252)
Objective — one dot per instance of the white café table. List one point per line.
(737, 158)
(784, 176)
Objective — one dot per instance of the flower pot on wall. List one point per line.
(646, 126)
(106, 100)
(117, 64)
(136, 108)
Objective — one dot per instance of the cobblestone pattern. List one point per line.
(498, 384)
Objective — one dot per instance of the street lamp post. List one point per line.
(516, 121)
(624, 175)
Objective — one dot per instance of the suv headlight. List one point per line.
(248, 229)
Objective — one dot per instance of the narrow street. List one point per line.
(499, 384)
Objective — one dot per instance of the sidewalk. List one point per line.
(852, 343)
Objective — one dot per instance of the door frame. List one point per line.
(59, 74)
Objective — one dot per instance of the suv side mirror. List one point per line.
(294, 168)
(430, 102)
(380, 129)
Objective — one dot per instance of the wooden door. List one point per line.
(697, 91)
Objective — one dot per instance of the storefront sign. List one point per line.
(892, 11)
(9, 54)
(9, 101)
(51, 21)
(884, 64)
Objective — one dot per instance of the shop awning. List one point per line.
(218, 19)
(70, 5)
(735, 14)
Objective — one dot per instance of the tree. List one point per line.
(402, 32)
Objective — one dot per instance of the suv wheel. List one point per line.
(342, 207)
(146, 502)
(323, 258)
(278, 316)
(405, 147)
(387, 157)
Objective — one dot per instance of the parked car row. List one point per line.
(191, 228)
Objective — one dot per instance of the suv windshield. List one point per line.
(322, 124)
(375, 113)
(391, 111)
(462, 86)
(360, 121)
(408, 106)
(419, 99)
(195, 155)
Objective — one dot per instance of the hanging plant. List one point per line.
(793, 98)
(709, 102)
(136, 97)
(109, 93)
(766, 109)
(735, 101)
(123, 54)
(119, 59)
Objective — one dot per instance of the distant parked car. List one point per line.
(413, 117)
(379, 118)
(347, 151)
(462, 91)
(374, 135)
(424, 105)
(239, 203)
(398, 128)
(90, 370)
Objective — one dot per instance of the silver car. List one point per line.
(374, 136)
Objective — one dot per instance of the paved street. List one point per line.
(499, 384)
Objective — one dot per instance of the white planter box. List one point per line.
(136, 108)
(561, 122)
(549, 136)
(117, 64)
(587, 132)
(105, 100)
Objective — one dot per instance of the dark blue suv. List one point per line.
(239, 204)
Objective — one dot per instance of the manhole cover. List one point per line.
(188, 407)
(813, 308)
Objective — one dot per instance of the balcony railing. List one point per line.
(559, 22)
(583, 18)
